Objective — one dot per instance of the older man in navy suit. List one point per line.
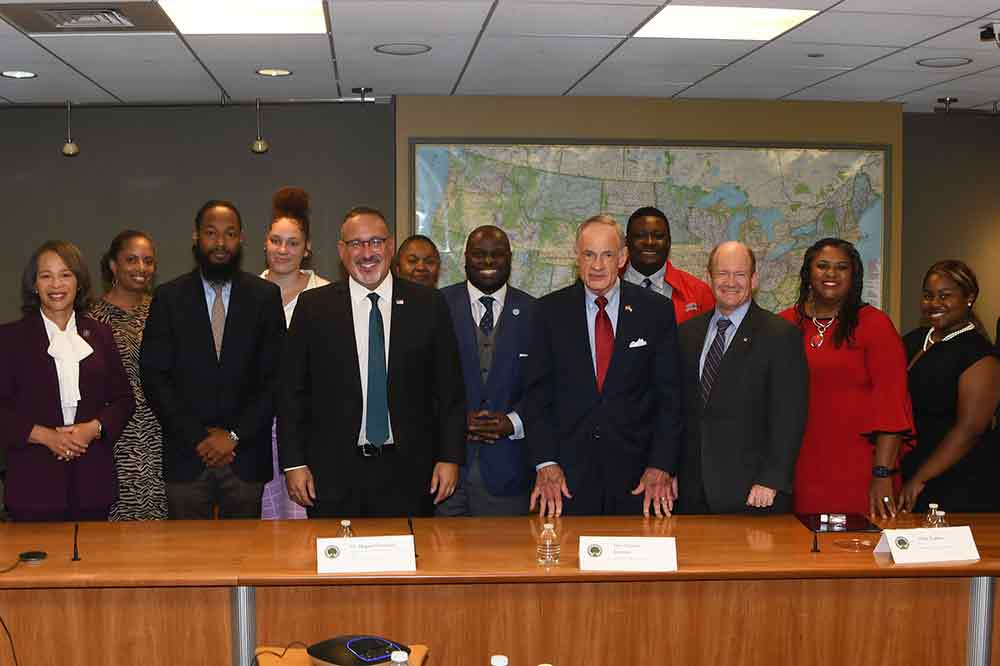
(493, 323)
(603, 404)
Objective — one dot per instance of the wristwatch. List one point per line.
(233, 436)
(883, 472)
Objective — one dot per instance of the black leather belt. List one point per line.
(372, 451)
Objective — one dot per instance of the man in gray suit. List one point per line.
(746, 388)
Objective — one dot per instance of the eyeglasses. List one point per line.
(375, 243)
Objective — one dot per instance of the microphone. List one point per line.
(409, 522)
(76, 550)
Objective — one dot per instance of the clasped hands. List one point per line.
(218, 449)
(486, 426)
(72, 441)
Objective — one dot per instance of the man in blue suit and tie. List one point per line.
(493, 323)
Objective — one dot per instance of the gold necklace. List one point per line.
(816, 341)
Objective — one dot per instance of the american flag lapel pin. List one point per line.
(515, 312)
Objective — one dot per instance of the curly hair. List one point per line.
(71, 256)
(292, 203)
(852, 304)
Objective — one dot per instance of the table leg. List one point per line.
(980, 621)
(244, 608)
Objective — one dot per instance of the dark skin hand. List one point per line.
(487, 426)
(216, 450)
(881, 497)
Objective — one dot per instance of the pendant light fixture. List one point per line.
(69, 149)
(260, 146)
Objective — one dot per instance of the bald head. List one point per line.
(487, 258)
(732, 270)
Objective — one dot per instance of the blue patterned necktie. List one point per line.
(377, 416)
(647, 284)
(486, 323)
(714, 359)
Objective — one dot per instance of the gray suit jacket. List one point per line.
(751, 429)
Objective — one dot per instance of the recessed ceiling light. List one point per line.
(402, 49)
(944, 62)
(273, 72)
(246, 17)
(18, 74)
(697, 22)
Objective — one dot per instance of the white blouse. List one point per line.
(67, 348)
(314, 281)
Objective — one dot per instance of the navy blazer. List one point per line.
(506, 464)
(635, 422)
(190, 389)
(37, 483)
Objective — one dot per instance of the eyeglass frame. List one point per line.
(374, 243)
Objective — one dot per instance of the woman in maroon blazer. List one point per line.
(64, 396)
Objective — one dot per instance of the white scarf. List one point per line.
(67, 348)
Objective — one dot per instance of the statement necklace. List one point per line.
(816, 341)
(928, 342)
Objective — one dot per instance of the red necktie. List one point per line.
(604, 341)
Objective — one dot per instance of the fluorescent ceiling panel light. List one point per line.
(246, 17)
(746, 23)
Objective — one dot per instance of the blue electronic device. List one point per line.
(354, 651)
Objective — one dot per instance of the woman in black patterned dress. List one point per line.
(128, 268)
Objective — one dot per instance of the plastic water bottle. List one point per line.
(941, 522)
(931, 516)
(499, 660)
(548, 548)
(346, 532)
(399, 657)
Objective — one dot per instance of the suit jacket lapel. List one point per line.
(49, 378)
(577, 321)
(237, 311)
(624, 334)
(197, 308)
(344, 309)
(503, 340)
(737, 353)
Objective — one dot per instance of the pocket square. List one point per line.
(639, 342)
(522, 356)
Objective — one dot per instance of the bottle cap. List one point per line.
(498, 660)
(932, 506)
(345, 523)
(940, 513)
(398, 656)
(548, 526)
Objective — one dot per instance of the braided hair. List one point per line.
(852, 304)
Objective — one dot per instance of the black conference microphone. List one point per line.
(76, 550)
(409, 522)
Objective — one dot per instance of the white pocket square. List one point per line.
(639, 342)
(522, 355)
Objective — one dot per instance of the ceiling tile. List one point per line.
(609, 87)
(868, 84)
(785, 53)
(906, 60)
(546, 18)
(531, 65)
(431, 73)
(233, 59)
(970, 8)
(407, 17)
(769, 4)
(871, 29)
(55, 82)
(137, 67)
(682, 51)
(964, 37)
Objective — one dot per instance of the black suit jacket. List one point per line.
(635, 421)
(189, 389)
(320, 400)
(751, 429)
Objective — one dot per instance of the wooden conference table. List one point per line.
(749, 591)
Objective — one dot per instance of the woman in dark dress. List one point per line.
(64, 396)
(954, 379)
(128, 269)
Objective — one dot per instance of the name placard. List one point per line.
(608, 553)
(929, 545)
(365, 554)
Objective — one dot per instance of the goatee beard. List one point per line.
(214, 272)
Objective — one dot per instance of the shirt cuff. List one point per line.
(515, 421)
(289, 469)
(539, 466)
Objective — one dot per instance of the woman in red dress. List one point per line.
(859, 408)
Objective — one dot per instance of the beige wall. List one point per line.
(636, 119)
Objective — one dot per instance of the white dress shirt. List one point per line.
(361, 307)
(736, 317)
(289, 307)
(209, 287)
(658, 282)
(478, 312)
(67, 348)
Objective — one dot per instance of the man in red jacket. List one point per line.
(648, 240)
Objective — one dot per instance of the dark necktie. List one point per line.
(647, 283)
(714, 359)
(377, 416)
(604, 341)
(486, 323)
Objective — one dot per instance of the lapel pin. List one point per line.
(85, 332)
(628, 308)
(399, 301)
(515, 312)
(746, 339)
